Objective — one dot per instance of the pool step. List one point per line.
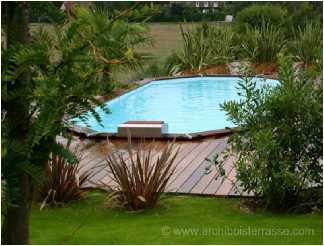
(139, 129)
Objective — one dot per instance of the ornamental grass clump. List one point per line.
(308, 43)
(205, 45)
(140, 176)
(263, 43)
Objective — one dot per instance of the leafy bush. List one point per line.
(263, 43)
(308, 43)
(206, 45)
(140, 179)
(253, 16)
(280, 145)
(300, 15)
(62, 182)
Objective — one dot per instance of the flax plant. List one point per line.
(262, 44)
(140, 177)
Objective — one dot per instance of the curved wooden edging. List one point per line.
(86, 133)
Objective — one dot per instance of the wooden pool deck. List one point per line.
(190, 175)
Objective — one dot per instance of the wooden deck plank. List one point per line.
(227, 184)
(195, 175)
(190, 166)
(181, 164)
(216, 182)
(202, 184)
(199, 173)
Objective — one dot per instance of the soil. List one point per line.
(219, 69)
(265, 68)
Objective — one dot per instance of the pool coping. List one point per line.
(88, 133)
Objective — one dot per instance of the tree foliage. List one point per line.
(53, 78)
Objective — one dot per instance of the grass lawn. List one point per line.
(177, 220)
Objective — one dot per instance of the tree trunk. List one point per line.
(16, 223)
(16, 220)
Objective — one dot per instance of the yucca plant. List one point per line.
(262, 44)
(139, 176)
(308, 43)
(62, 182)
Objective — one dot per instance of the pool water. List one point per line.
(187, 105)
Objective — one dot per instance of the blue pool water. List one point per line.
(187, 104)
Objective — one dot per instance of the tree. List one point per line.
(48, 80)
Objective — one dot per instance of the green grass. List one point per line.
(212, 221)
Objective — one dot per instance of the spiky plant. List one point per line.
(308, 44)
(140, 177)
(205, 45)
(221, 42)
(63, 182)
(195, 52)
(263, 43)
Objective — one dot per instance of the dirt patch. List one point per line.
(265, 68)
(219, 69)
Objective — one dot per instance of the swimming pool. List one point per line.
(187, 105)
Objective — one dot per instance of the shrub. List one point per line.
(300, 14)
(308, 43)
(62, 182)
(280, 144)
(206, 45)
(140, 179)
(253, 16)
(263, 43)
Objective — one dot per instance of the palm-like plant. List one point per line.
(308, 44)
(140, 178)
